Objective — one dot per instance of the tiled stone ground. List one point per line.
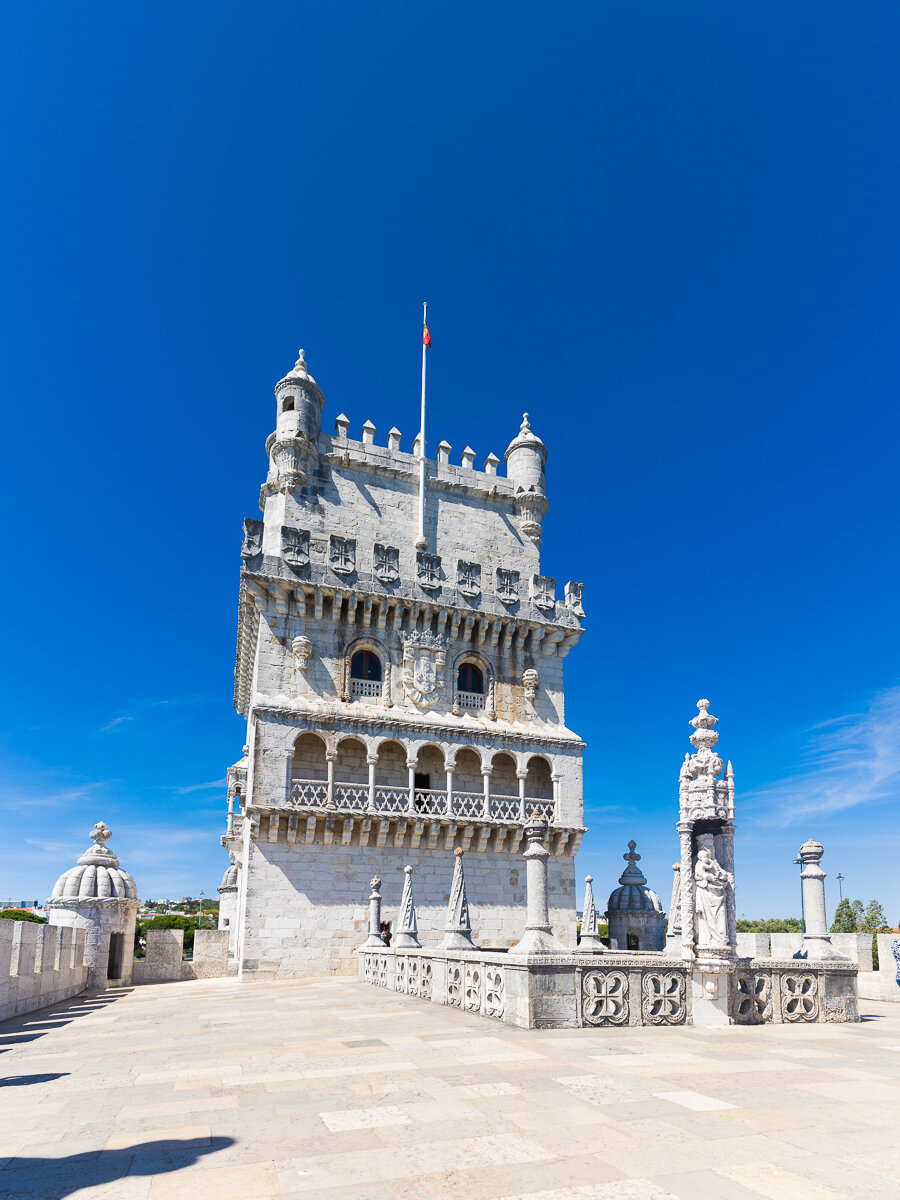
(210, 1090)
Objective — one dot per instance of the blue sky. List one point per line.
(668, 232)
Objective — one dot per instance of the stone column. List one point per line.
(372, 763)
(726, 858)
(486, 776)
(557, 816)
(816, 942)
(687, 890)
(375, 938)
(330, 756)
(522, 776)
(450, 791)
(411, 803)
(538, 937)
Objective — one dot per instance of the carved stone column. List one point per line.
(816, 944)
(406, 937)
(411, 803)
(590, 940)
(538, 937)
(686, 904)
(486, 776)
(673, 929)
(330, 756)
(375, 938)
(557, 816)
(372, 763)
(521, 776)
(450, 791)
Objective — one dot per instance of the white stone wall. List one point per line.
(39, 965)
(307, 905)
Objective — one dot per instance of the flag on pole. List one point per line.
(426, 336)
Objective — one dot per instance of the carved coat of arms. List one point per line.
(543, 592)
(428, 570)
(387, 563)
(342, 555)
(507, 585)
(295, 546)
(424, 656)
(253, 533)
(468, 578)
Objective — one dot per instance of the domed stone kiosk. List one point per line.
(635, 914)
(100, 898)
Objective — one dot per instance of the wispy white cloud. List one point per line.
(36, 798)
(201, 787)
(850, 760)
(143, 708)
(115, 723)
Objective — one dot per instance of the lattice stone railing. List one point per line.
(431, 802)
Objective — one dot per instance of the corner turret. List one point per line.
(525, 458)
(297, 425)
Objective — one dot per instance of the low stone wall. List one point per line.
(882, 984)
(857, 947)
(163, 962)
(39, 965)
(615, 989)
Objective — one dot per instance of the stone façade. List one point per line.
(455, 735)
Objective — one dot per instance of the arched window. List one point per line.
(470, 679)
(288, 405)
(365, 674)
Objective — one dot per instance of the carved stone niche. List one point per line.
(507, 585)
(387, 563)
(302, 648)
(342, 555)
(295, 546)
(253, 533)
(574, 592)
(543, 592)
(468, 578)
(428, 570)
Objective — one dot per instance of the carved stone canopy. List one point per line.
(704, 737)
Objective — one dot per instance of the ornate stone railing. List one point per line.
(612, 990)
(433, 802)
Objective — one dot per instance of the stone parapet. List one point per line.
(39, 965)
(884, 983)
(164, 960)
(557, 991)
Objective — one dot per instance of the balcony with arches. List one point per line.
(379, 779)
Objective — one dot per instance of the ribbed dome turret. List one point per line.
(633, 896)
(98, 875)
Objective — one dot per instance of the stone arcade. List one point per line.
(401, 700)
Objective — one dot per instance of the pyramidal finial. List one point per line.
(590, 940)
(458, 930)
(407, 938)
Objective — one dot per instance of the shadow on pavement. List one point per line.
(30, 1026)
(56, 1178)
(23, 1080)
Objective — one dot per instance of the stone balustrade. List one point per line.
(396, 800)
(39, 965)
(610, 990)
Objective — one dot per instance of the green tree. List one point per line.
(770, 925)
(859, 913)
(875, 921)
(844, 918)
(22, 914)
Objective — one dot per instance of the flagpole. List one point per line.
(421, 543)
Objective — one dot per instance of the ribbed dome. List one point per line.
(98, 875)
(633, 896)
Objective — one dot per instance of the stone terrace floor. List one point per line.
(211, 1090)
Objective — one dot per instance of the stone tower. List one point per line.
(400, 701)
